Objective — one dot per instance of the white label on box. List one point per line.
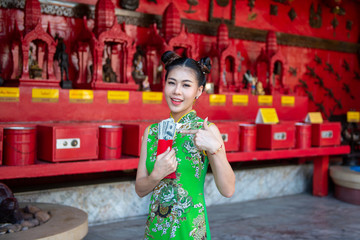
(327, 134)
(67, 143)
(280, 136)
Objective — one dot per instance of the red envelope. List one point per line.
(162, 146)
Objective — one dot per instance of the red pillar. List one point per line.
(320, 178)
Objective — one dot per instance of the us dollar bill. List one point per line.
(167, 129)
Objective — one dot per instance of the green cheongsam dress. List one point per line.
(177, 207)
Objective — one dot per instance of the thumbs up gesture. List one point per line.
(204, 139)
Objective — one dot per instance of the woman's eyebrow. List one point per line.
(185, 80)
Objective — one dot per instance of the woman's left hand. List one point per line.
(205, 139)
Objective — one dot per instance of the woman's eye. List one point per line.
(171, 83)
(187, 85)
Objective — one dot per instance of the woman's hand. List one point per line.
(209, 139)
(204, 139)
(165, 164)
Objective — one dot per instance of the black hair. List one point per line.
(202, 67)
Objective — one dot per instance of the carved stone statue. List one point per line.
(9, 206)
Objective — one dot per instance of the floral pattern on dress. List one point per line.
(169, 206)
(196, 157)
(174, 213)
(199, 230)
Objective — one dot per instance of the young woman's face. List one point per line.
(181, 88)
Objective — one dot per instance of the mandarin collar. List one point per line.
(186, 117)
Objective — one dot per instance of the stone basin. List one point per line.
(347, 184)
(65, 223)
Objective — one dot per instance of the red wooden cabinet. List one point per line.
(59, 143)
(326, 134)
(275, 136)
(132, 135)
(230, 132)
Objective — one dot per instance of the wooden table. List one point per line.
(319, 155)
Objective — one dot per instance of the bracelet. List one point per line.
(217, 150)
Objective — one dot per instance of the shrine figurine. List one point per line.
(2, 81)
(259, 88)
(108, 73)
(35, 70)
(63, 60)
(247, 79)
(253, 86)
(138, 74)
(158, 74)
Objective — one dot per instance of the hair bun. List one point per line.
(205, 65)
(168, 57)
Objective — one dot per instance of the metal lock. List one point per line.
(280, 136)
(67, 143)
(225, 137)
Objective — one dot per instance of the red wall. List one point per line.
(100, 110)
(297, 57)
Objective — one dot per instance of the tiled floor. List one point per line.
(293, 217)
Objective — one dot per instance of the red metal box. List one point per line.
(275, 136)
(230, 132)
(132, 135)
(59, 143)
(19, 145)
(326, 134)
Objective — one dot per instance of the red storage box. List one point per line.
(326, 134)
(275, 136)
(132, 134)
(230, 132)
(60, 143)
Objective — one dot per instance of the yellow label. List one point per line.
(240, 100)
(45, 95)
(217, 99)
(9, 94)
(81, 96)
(353, 116)
(314, 117)
(287, 101)
(265, 100)
(152, 97)
(269, 115)
(118, 96)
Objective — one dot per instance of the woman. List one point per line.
(177, 209)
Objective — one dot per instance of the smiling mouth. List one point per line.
(176, 101)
